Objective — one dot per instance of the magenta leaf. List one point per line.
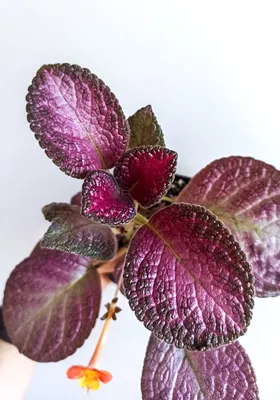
(104, 202)
(245, 194)
(76, 119)
(145, 129)
(51, 304)
(147, 173)
(76, 200)
(187, 279)
(221, 374)
(72, 232)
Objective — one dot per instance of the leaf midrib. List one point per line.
(94, 145)
(195, 279)
(53, 300)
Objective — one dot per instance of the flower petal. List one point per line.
(75, 372)
(104, 376)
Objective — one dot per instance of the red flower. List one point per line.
(89, 377)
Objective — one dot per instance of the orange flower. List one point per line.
(89, 377)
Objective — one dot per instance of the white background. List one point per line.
(211, 71)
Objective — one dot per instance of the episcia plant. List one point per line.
(189, 265)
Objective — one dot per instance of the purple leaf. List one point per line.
(103, 201)
(221, 374)
(245, 194)
(51, 304)
(187, 279)
(147, 172)
(36, 250)
(76, 119)
(76, 200)
(72, 232)
(145, 129)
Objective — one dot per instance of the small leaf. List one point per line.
(76, 119)
(76, 200)
(145, 129)
(72, 232)
(187, 279)
(104, 202)
(51, 304)
(147, 172)
(221, 374)
(245, 194)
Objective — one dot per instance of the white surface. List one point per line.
(211, 71)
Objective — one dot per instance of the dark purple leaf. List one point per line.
(51, 304)
(147, 172)
(245, 194)
(221, 374)
(187, 279)
(104, 202)
(145, 129)
(36, 250)
(76, 200)
(76, 119)
(72, 232)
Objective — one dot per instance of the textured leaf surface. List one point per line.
(245, 194)
(147, 172)
(51, 304)
(103, 201)
(187, 279)
(76, 119)
(145, 129)
(221, 374)
(72, 232)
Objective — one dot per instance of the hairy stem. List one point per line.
(140, 219)
(167, 199)
(93, 363)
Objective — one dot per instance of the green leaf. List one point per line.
(145, 129)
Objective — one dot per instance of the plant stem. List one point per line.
(109, 266)
(167, 199)
(140, 219)
(93, 363)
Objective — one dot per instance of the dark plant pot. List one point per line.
(179, 183)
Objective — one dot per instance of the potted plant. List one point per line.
(189, 256)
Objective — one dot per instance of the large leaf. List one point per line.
(147, 173)
(187, 279)
(72, 232)
(145, 129)
(104, 201)
(76, 119)
(245, 194)
(221, 374)
(51, 304)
